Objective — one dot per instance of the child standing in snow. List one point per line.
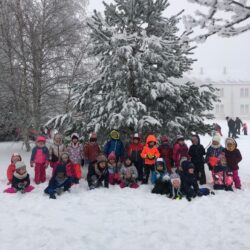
(75, 151)
(91, 149)
(40, 159)
(149, 153)
(160, 178)
(59, 183)
(21, 180)
(114, 169)
(134, 152)
(12, 167)
(114, 144)
(71, 169)
(98, 173)
(166, 152)
(180, 151)
(129, 174)
(213, 152)
(197, 152)
(222, 176)
(244, 128)
(233, 157)
(55, 151)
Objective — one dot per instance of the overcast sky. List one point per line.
(216, 53)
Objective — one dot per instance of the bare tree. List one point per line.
(40, 55)
(214, 21)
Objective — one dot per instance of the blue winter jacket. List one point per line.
(114, 145)
(159, 176)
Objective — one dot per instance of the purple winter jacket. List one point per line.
(233, 158)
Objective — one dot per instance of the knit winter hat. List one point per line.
(160, 161)
(230, 140)
(20, 164)
(136, 136)
(112, 156)
(186, 165)
(216, 138)
(101, 158)
(74, 136)
(179, 138)
(183, 158)
(41, 138)
(174, 176)
(16, 155)
(115, 134)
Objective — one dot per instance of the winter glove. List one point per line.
(166, 177)
(150, 157)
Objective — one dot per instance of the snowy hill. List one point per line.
(124, 219)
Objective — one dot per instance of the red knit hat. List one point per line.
(112, 156)
(40, 138)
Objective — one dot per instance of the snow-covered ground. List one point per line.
(124, 219)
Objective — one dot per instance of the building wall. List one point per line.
(235, 100)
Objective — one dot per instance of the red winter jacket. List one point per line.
(90, 151)
(180, 151)
(167, 154)
(134, 151)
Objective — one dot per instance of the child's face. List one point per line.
(215, 143)
(112, 162)
(58, 140)
(176, 183)
(230, 146)
(136, 140)
(15, 159)
(40, 144)
(128, 162)
(195, 140)
(60, 175)
(75, 140)
(181, 142)
(151, 144)
(190, 170)
(159, 167)
(65, 158)
(102, 164)
(21, 171)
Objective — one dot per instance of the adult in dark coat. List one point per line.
(98, 173)
(231, 127)
(197, 152)
(238, 124)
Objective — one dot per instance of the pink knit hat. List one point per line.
(40, 138)
(112, 156)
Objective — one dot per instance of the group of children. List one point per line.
(175, 171)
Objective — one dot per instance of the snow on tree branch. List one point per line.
(223, 17)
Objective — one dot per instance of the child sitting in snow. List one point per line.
(114, 169)
(160, 178)
(21, 180)
(40, 159)
(98, 173)
(129, 174)
(222, 177)
(12, 167)
(59, 183)
(73, 171)
(175, 187)
(233, 157)
(189, 184)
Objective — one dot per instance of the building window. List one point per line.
(244, 109)
(244, 92)
(219, 109)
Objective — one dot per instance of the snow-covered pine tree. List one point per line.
(139, 55)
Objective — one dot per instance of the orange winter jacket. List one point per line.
(150, 154)
(10, 171)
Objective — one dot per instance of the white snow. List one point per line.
(123, 219)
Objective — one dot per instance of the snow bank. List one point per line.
(124, 219)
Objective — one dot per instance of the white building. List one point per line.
(233, 92)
